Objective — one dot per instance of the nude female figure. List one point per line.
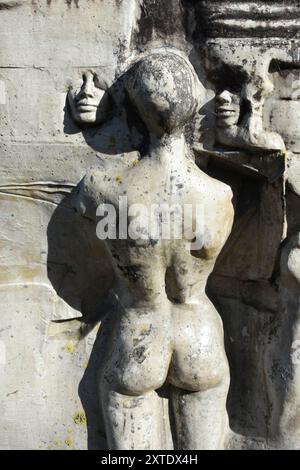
(159, 338)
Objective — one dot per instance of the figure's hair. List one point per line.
(165, 53)
(165, 84)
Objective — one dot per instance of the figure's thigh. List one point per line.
(199, 361)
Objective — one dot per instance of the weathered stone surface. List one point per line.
(162, 102)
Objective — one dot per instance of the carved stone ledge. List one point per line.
(269, 165)
(249, 18)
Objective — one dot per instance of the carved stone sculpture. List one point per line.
(240, 98)
(240, 122)
(166, 330)
(127, 143)
(89, 102)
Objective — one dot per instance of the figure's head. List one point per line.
(164, 89)
(89, 102)
(227, 109)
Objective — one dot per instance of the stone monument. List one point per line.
(149, 243)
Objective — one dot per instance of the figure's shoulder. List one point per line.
(210, 188)
(222, 190)
(87, 195)
(98, 186)
(94, 176)
(101, 181)
(220, 201)
(110, 174)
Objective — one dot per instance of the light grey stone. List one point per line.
(162, 102)
(166, 330)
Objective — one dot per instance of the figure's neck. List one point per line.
(167, 148)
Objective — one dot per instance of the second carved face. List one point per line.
(227, 109)
(89, 102)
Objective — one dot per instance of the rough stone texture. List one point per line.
(57, 283)
(47, 264)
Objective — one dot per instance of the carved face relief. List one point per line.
(240, 75)
(89, 102)
(227, 109)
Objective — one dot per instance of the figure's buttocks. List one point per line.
(141, 351)
(182, 345)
